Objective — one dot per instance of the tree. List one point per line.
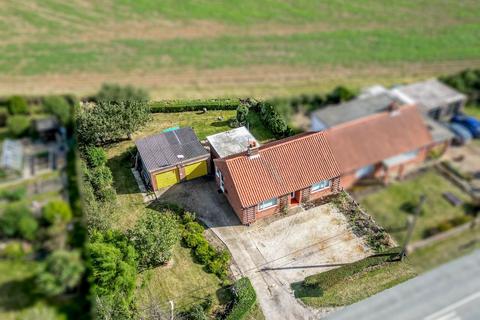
(339, 94)
(61, 271)
(17, 220)
(57, 212)
(242, 113)
(116, 93)
(18, 125)
(113, 270)
(107, 122)
(153, 237)
(17, 105)
(59, 107)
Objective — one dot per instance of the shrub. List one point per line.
(192, 240)
(57, 211)
(204, 252)
(339, 94)
(17, 105)
(219, 263)
(13, 250)
(95, 157)
(466, 81)
(153, 237)
(112, 278)
(116, 93)
(3, 117)
(273, 121)
(193, 227)
(245, 298)
(446, 225)
(242, 114)
(17, 220)
(59, 107)
(18, 125)
(13, 195)
(100, 177)
(62, 271)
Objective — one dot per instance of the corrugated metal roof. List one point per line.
(169, 148)
(373, 139)
(283, 166)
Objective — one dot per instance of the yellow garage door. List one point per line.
(196, 170)
(167, 178)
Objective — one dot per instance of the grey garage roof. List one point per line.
(355, 109)
(169, 148)
(231, 141)
(430, 94)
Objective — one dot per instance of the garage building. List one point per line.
(170, 157)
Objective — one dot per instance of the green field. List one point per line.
(209, 48)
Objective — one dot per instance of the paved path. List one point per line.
(450, 292)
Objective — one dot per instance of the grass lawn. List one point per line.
(182, 281)
(214, 47)
(258, 130)
(388, 205)
(473, 111)
(443, 251)
(16, 298)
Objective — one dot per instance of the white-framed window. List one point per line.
(217, 172)
(267, 204)
(320, 185)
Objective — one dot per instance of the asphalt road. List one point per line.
(450, 292)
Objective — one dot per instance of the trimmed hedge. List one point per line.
(329, 278)
(245, 298)
(193, 105)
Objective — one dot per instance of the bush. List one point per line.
(95, 157)
(153, 237)
(116, 93)
(13, 250)
(112, 278)
(193, 227)
(62, 271)
(18, 221)
(59, 107)
(18, 125)
(204, 252)
(13, 195)
(339, 94)
(57, 211)
(329, 278)
(245, 298)
(219, 263)
(466, 81)
(3, 117)
(242, 114)
(192, 240)
(17, 105)
(193, 105)
(273, 121)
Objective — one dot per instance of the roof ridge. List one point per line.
(370, 117)
(277, 143)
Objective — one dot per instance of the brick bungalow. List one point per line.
(274, 177)
(382, 145)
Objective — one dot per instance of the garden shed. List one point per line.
(168, 158)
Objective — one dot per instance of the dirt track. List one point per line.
(261, 81)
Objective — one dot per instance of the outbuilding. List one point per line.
(170, 157)
(230, 142)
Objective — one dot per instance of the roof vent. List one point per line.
(252, 150)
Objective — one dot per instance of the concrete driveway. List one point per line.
(277, 252)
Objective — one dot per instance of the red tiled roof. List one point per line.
(375, 138)
(283, 166)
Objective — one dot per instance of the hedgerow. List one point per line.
(170, 106)
(245, 298)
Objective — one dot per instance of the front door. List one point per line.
(294, 197)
